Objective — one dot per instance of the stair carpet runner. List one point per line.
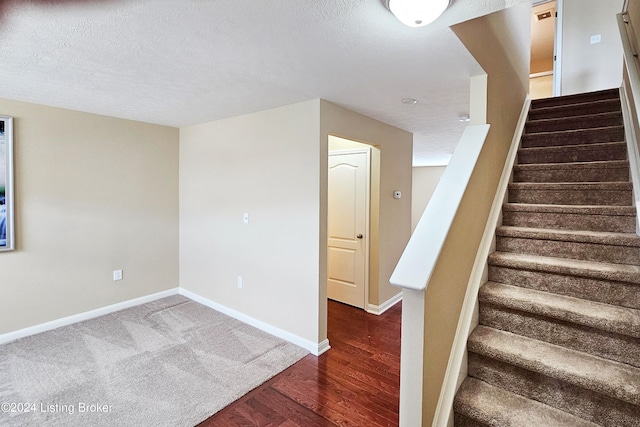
(558, 342)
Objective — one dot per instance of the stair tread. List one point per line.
(599, 270)
(575, 99)
(608, 377)
(574, 118)
(607, 317)
(541, 110)
(606, 186)
(498, 407)
(578, 137)
(574, 209)
(600, 164)
(581, 236)
(572, 147)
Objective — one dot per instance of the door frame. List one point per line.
(367, 215)
(557, 54)
(557, 45)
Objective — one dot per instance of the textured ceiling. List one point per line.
(184, 62)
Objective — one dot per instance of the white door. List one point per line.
(348, 227)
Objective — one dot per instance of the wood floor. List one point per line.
(356, 383)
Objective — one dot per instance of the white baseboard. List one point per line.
(12, 336)
(314, 348)
(379, 309)
(322, 347)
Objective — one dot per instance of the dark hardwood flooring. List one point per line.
(355, 383)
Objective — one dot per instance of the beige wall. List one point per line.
(93, 194)
(268, 165)
(507, 66)
(425, 180)
(587, 67)
(273, 165)
(394, 226)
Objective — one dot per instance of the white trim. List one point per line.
(379, 309)
(541, 74)
(411, 358)
(321, 348)
(632, 149)
(452, 378)
(418, 261)
(629, 121)
(557, 50)
(69, 320)
(314, 348)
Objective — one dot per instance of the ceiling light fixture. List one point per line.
(409, 101)
(417, 13)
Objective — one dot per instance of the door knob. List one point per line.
(359, 236)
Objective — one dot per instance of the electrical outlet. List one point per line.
(117, 275)
(596, 39)
(240, 282)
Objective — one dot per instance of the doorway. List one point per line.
(352, 218)
(544, 70)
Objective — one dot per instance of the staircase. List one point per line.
(558, 342)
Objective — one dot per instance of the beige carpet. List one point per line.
(171, 362)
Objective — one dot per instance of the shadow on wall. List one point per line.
(8, 5)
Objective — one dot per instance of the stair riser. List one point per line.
(609, 345)
(564, 155)
(618, 293)
(590, 136)
(571, 197)
(576, 110)
(570, 221)
(462, 421)
(620, 174)
(571, 250)
(587, 404)
(557, 125)
(604, 95)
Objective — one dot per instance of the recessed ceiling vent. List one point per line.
(544, 15)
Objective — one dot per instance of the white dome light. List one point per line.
(417, 13)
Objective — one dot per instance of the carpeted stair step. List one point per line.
(604, 330)
(582, 193)
(617, 248)
(481, 404)
(589, 121)
(607, 171)
(559, 333)
(574, 153)
(571, 110)
(593, 388)
(616, 284)
(616, 219)
(580, 98)
(573, 137)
